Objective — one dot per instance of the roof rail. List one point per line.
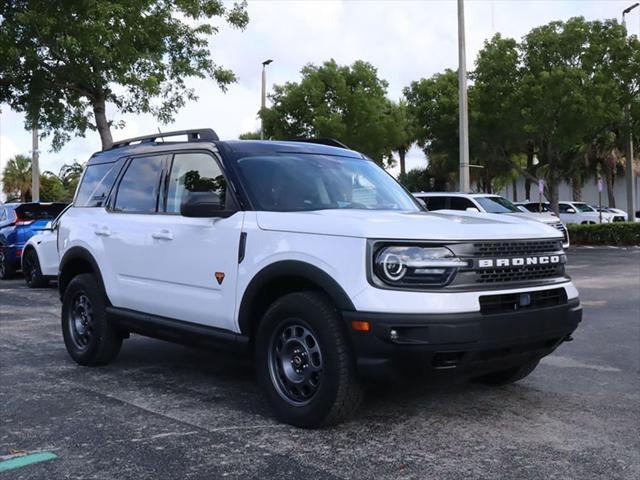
(331, 142)
(195, 134)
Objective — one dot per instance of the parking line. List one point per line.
(25, 460)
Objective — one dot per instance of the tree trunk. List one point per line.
(402, 153)
(576, 188)
(100, 114)
(608, 172)
(515, 189)
(527, 181)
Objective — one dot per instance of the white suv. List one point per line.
(310, 256)
(580, 212)
(488, 203)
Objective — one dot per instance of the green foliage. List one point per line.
(16, 178)
(417, 180)
(51, 188)
(63, 61)
(617, 233)
(70, 177)
(250, 136)
(347, 103)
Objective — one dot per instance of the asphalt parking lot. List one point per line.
(165, 411)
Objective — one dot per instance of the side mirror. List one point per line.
(571, 210)
(472, 210)
(204, 205)
(421, 202)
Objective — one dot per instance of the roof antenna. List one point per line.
(160, 132)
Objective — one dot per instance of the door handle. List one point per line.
(162, 235)
(102, 231)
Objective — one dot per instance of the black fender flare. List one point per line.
(289, 268)
(70, 256)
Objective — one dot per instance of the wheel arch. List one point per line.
(75, 261)
(281, 278)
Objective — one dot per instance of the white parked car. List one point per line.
(312, 258)
(487, 203)
(618, 215)
(582, 213)
(40, 260)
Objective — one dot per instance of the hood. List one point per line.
(538, 217)
(440, 225)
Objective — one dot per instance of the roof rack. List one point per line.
(331, 142)
(196, 134)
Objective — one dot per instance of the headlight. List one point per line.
(416, 266)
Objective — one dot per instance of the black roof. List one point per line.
(151, 143)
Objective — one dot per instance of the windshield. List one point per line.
(537, 207)
(289, 182)
(583, 207)
(497, 205)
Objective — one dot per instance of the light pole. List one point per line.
(263, 103)
(462, 103)
(35, 166)
(631, 204)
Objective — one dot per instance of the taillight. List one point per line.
(18, 253)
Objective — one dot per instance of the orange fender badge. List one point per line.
(219, 277)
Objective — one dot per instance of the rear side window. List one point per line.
(194, 172)
(459, 203)
(96, 184)
(140, 184)
(436, 203)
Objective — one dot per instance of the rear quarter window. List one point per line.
(96, 184)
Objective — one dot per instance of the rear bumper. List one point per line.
(468, 344)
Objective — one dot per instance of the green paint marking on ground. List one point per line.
(25, 460)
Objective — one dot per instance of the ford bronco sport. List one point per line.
(311, 257)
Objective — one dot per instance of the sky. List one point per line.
(404, 40)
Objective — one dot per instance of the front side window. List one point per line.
(288, 182)
(139, 187)
(496, 205)
(583, 207)
(194, 172)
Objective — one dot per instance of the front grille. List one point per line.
(517, 248)
(519, 274)
(509, 302)
(560, 226)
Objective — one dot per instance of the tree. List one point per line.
(572, 91)
(63, 62)
(51, 188)
(403, 132)
(16, 178)
(433, 104)
(495, 125)
(347, 103)
(70, 177)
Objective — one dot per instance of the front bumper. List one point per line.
(466, 345)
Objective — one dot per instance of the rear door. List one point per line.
(169, 265)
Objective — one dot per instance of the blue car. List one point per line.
(18, 223)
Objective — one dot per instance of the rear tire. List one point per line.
(7, 269)
(305, 363)
(506, 377)
(31, 270)
(89, 337)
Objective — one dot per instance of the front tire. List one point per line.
(32, 271)
(89, 337)
(506, 377)
(304, 361)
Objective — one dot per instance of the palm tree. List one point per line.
(16, 177)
